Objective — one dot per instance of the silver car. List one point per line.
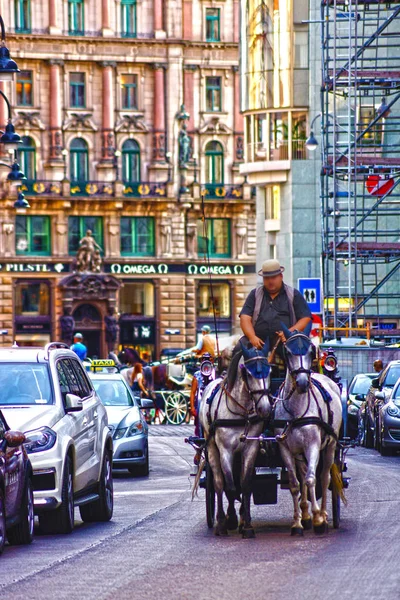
(126, 421)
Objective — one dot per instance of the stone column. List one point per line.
(159, 114)
(236, 21)
(238, 125)
(105, 19)
(188, 94)
(55, 110)
(158, 18)
(54, 29)
(108, 112)
(187, 20)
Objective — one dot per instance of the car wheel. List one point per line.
(102, 508)
(368, 435)
(2, 522)
(141, 470)
(61, 520)
(22, 533)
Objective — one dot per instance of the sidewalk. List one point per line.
(171, 430)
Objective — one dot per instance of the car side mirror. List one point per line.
(73, 403)
(375, 382)
(360, 397)
(146, 403)
(14, 438)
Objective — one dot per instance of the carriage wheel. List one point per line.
(210, 497)
(335, 509)
(176, 408)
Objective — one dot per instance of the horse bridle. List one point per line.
(251, 414)
(295, 372)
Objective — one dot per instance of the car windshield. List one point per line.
(113, 392)
(24, 383)
(361, 385)
(392, 376)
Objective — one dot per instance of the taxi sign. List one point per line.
(103, 362)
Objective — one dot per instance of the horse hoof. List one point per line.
(221, 531)
(232, 523)
(297, 531)
(248, 534)
(307, 524)
(321, 529)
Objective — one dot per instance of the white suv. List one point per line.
(47, 394)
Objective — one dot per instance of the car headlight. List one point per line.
(39, 440)
(119, 433)
(392, 410)
(135, 429)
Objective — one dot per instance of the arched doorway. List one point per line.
(88, 322)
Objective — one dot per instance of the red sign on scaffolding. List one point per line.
(377, 185)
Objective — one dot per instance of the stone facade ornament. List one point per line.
(165, 231)
(88, 257)
(191, 236)
(67, 325)
(112, 329)
(241, 239)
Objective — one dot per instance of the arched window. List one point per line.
(27, 157)
(130, 162)
(214, 163)
(79, 160)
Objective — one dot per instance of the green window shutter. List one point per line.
(76, 23)
(128, 18)
(213, 25)
(137, 236)
(23, 16)
(32, 236)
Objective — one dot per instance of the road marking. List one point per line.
(140, 492)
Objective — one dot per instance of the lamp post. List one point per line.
(7, 66)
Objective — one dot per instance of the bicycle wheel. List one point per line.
(176, 408)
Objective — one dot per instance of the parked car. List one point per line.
(47, 394)
(16, 488)
(379, 392)
(388, 421)
(126, 422)
(356, 394)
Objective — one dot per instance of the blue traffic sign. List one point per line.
(310, 289)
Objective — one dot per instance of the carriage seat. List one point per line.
(181, 381)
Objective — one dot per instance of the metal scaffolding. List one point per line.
(360, 175)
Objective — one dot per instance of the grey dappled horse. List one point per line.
(313, 429)
(247, 402)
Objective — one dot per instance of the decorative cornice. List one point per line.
(56, 61)
(108, 63)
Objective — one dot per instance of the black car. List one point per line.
(16, 489)
(378, 395)
(356, 394)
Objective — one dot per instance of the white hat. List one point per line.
(270, 268)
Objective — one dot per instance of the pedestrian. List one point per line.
(378, 366)
(79, 347)
(271, 304)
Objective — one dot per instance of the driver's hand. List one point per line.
(256, 342)
(281, 336)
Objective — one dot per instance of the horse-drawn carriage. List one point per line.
(267, 433)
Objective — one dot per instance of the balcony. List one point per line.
(35, 187)
(258, 152)
(92, 188)
(145, 189)
(219, 191)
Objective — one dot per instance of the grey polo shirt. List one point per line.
(274, 311)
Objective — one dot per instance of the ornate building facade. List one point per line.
(104, 91)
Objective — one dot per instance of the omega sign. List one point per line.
(139, 269)
(215, 269)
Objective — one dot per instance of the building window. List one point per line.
(128, 18)
(79, 160)
(212, 25)
(272, 202)
(77, 94)
(214, 237)
(27, 157)
(129, 91)
(137, 236)
(137, 299)
(24, 88)
(76, 23)
(130, 162)
(32, 235)
(214, 163)
(374, 136)
(222, 300)
(213, 94)
(32, 299)
(23, 16)
(77, 228)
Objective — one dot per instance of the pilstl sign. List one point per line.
(34, 267)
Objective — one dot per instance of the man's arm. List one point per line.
(248, 330)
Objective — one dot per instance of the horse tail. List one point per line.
(148, 377)
(197, 478)
(337, 483)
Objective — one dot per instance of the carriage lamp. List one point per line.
(330, 363)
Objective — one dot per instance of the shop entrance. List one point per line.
(88, 322)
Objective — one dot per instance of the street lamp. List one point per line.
(10, 139)
(7, 66)
(311, 141)
(21, 201)
(15, 176)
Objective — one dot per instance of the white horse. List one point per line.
(232, 413)
(310, 404)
